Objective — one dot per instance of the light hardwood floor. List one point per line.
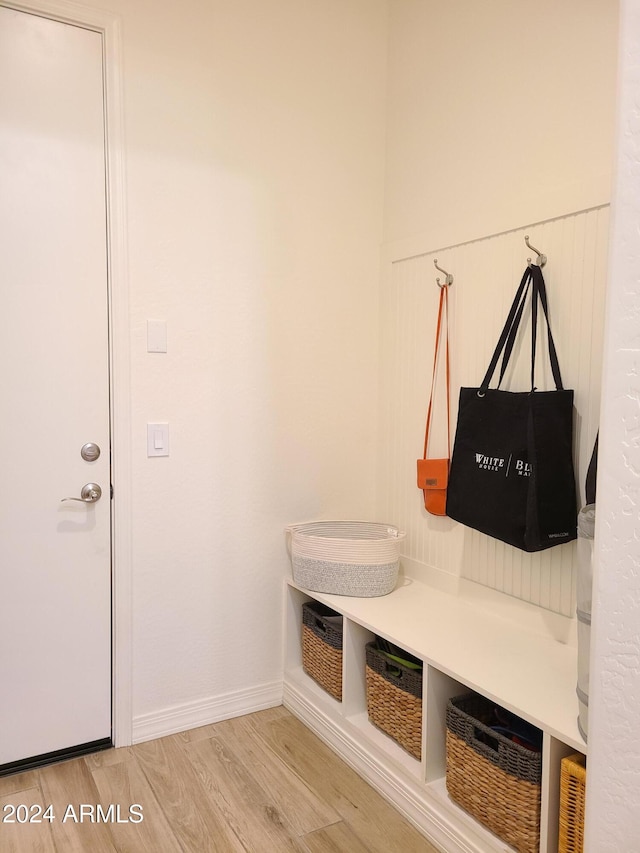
(256, 784)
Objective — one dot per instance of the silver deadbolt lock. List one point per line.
(90, 452)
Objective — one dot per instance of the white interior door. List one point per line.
(55, 557)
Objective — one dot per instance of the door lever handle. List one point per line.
(89, 494)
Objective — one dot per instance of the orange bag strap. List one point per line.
(443, 309)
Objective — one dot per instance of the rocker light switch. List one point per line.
(156, 336)
(157, 439)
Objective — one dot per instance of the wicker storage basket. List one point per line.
(358, 558)
(394, 699)
(492, 777)
(573, 783)
(322, 646)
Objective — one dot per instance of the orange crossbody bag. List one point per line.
(433, 474)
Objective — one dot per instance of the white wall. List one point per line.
(500, 113)
(254, 157)
(613, 792)
(501, 119)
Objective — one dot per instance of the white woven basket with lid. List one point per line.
(358, 558)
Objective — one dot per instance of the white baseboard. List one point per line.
(191, 715)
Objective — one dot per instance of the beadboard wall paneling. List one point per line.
(486, 273)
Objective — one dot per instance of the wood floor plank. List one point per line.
(193, 814)
(247, 808)
(108, 757)
(263, 783)
(67, 786)
(24, 837)
(303, 810)
(125, 784)
(378, 825)
(337, 838)
(204, 732)
(18, 782)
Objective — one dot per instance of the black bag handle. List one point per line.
(532, 283)
(509, 332)
(592, 473)
(513, 333)
(541, 290)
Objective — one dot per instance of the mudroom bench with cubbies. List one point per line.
(514, 656)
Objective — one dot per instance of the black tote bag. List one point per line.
(511, 473)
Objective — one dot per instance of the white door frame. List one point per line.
(108, 25)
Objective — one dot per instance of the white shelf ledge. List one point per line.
(526, 671)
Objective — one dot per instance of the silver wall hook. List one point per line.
(449, 278)
(541, 260)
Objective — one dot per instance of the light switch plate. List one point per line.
(157, 439)
(156, 335)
